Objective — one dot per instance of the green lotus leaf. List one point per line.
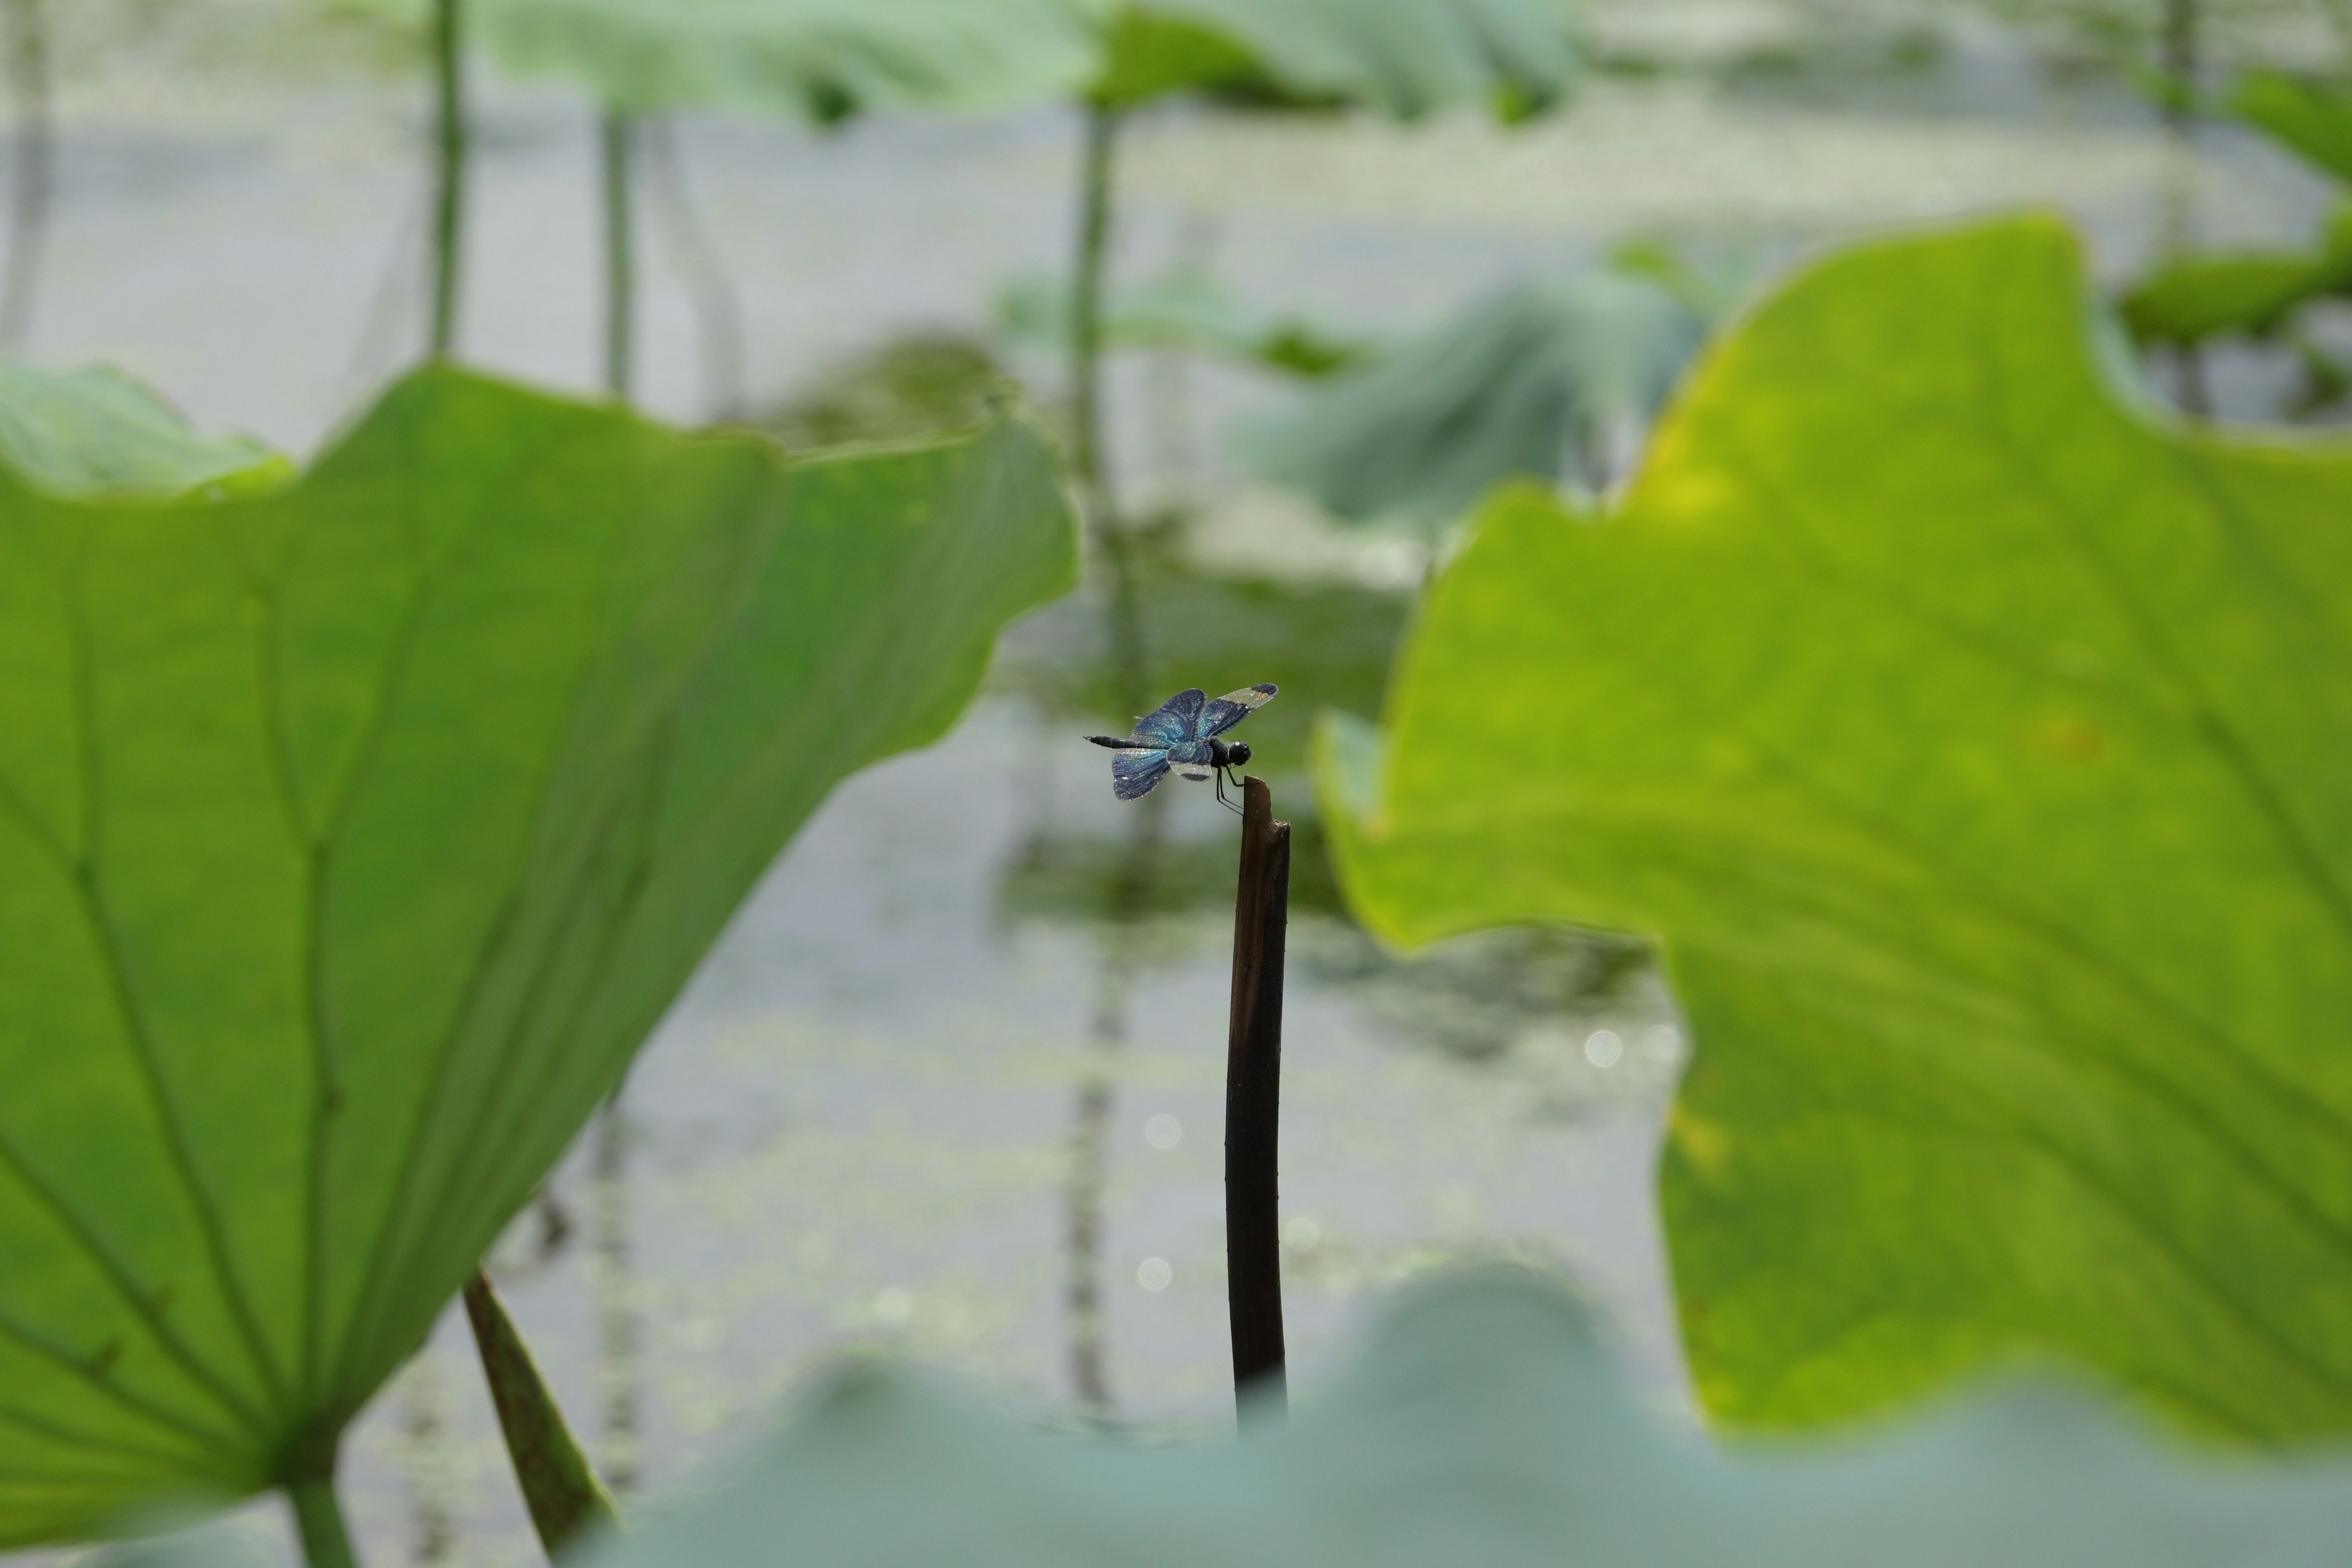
(2189, 299)
(97, 432)
(1406, 57)
(2193, 297)
(1532, 381)
(2302, 116)
(828, 59)
(1485, 1426)
(1973, 743)
(819, 59)
(352, 838)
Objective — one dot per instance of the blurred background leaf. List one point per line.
(1553, 378)
(1970, 742)
(1406, 57)
(1184, 314)
(2192, 297)
(2304, 116)
(822, 59)
(1484, 1425)
(97, 432)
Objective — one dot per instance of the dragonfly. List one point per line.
(1180, 734)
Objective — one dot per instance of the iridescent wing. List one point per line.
(1173, 721)
(1199, 773)
(1133, 774)
(1229, 709)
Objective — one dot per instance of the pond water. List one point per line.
(952, 1081)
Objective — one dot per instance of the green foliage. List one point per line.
(1406, 57)
(1147, 57)
(351, 839)
(97, 432)
(1181, 313)
(1484, 1426)
(2300, 115)
(2190, 299)
(1532, 381)
(821, 59)
(1974, 745)
(912, 386)
(2193, 297)
(828, 59)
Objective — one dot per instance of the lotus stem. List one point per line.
(1253, 1107)
(1095, 218)
(450, 173)
(319, 1518)
(567, 1502)
(34, 172)
(615, 141)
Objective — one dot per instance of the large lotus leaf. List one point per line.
(821, 59)
(1484, 1426)
(97, 432)
(1522, 383)
(2303, 116)
(1976, 745)
(352, 838)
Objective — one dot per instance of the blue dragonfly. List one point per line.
(1182, 734)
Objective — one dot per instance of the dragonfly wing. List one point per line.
(1196, 771)
(1173, 721)
(1133, 774)
(1229, 709)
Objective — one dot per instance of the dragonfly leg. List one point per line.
(1222, 798)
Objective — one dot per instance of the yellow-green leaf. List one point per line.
(1975, 746)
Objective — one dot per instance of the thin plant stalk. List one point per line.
(449, 196)
(616, 137)
(2180, 46)
(1088, 455)
(34, 171)
(2180, 49)
(719, 312)
(568, 1504)
(319, 1520)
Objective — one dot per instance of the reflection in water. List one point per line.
(1130, 899)
(620, 1365)
(432, 1533)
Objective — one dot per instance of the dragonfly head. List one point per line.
(1229, 754)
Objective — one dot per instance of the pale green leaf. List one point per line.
(353, 839)
(820, 58)
(1484, 1426)
(828, 59)
(1534, 381)
(1975, 745)
(97, 432)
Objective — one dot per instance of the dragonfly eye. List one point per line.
(1237, 754)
